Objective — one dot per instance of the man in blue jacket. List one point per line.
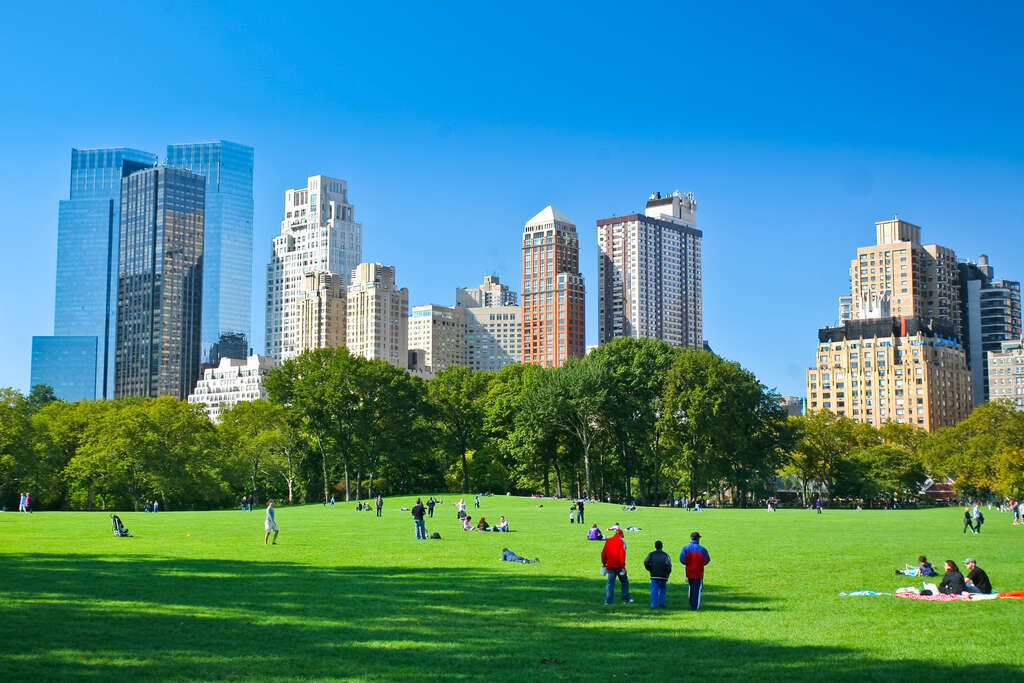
(694, 556)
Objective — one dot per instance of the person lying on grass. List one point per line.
(925, 568)
(509, 556)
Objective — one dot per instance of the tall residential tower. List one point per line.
(650, 273)
(377, 325)
(553, 290)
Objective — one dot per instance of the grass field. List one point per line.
(345, 595)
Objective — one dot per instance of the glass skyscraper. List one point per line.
(227, 248)
(160, 287)
(86, 293)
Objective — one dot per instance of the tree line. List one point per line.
(634, 420)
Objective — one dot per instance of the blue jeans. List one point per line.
(421, 528)
(658, 587)
(609, 589)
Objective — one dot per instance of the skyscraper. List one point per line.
(318, 233)
(990, 315)
(159, 295)
(650, 276)
(553, 290)
(439, 332)
(378, 315)
(321, 312)
(900, 356)
(494, 325)
(85, 305)
(227, 243)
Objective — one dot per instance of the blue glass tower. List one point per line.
(227, 243)
(85, 305)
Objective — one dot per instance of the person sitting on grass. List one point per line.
(977, 579)
(502, 525)
(925, 568)
(509, 556)
(952, 581)
(467, 523)
(482, 525)
(595, 534)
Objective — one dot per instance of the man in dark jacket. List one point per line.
(613, 561)
(417, 518)
(977, 579)
(695, 556)
(659, 565)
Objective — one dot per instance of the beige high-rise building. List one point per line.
(490, 293)
(898, 356)
(439, 332)
(1006, 373)
(321, 312)
(904, 370)
(378, 315)
(918, 280)
(494, 324)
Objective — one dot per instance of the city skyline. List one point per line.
(789, 169)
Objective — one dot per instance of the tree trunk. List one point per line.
(558, 481)
(323, 465)
(348, 486)
(547, 481)
(586, 467)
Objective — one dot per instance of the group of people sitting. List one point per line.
(953, 582)
(483, 525)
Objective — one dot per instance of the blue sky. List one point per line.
(795, 125)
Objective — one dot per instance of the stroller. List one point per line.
(119, 529)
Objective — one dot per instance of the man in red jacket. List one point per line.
(613, 559)
(695, 556)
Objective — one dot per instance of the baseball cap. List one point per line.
(694, 536)
(970, 560)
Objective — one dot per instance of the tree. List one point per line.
(525, 443)
(260, 445)
(457, 398)
(15, 440)
(572, 398)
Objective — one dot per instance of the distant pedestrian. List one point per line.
(156, 506)
(332, 501)
(244, 503)
(695, 557)
(613, 562)
(818, 505)
(476, 501)
(976, 514)
(968, 522)
(21, 502)
(28, 502)
(430, 506)
(579, 511)
(380, 504)
(270, 524)
(659, 566)
(417, 518)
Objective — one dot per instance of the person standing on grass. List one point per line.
(579, 511)
(476, 500)
(332, 501)
(417, 518)
(430, 507)
(613, 561)
(968, 523)
(695, 557)
(659, 566)
(380, 504)
(979, 518)
(269, 524)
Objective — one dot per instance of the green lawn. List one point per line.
(345, 595)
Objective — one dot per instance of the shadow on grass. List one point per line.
(95, 617)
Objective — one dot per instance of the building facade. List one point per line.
(231, 382)
(318, 234)
(227, 243)
(439, 333)
(322, 312)
(650, 279)
(159, 295)
(905, 370)
(553, 291)
(1006, 373)
(990, 315)
(377, 324)
(494, 324)
(85, 303)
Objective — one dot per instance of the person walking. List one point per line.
(269, 524)
(380, 504)
(476, 501)
(417, 518)
(695, 557)
(613, 562)
(579, 511)
(978, 517)
(430, 507)
(243, 503)
(332, 501)
(21, 502)
(968, 522)
(659, 566)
